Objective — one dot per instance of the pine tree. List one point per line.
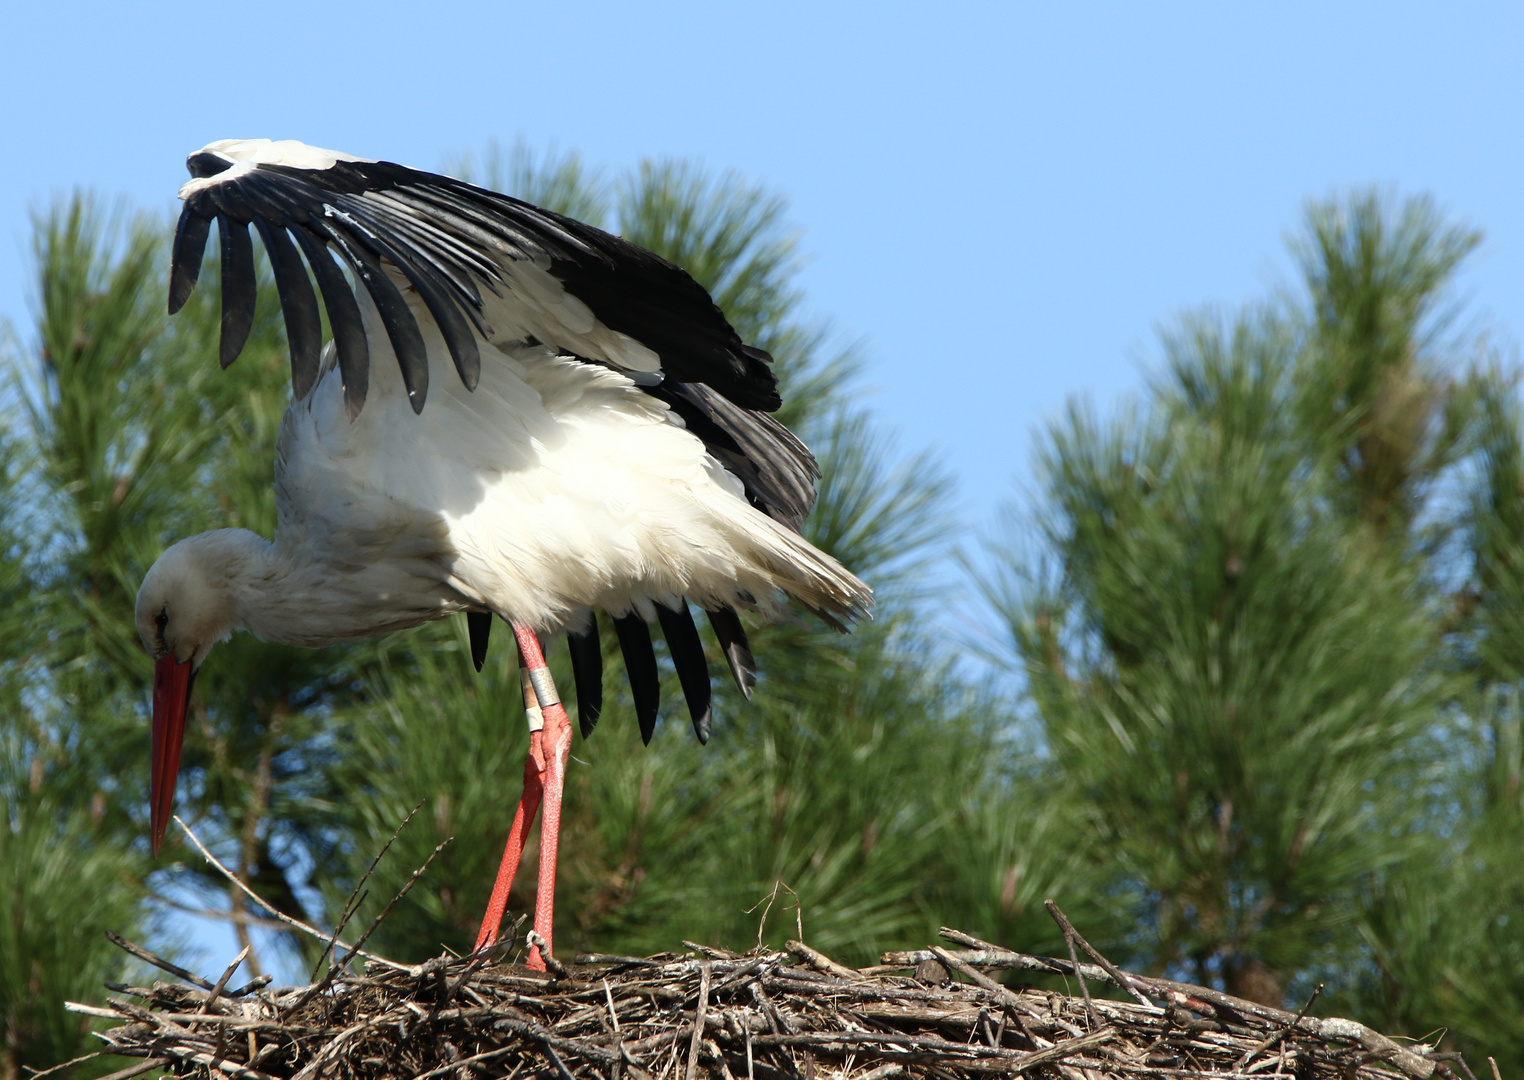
(1273, 653)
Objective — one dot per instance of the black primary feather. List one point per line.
(479, 626)
(304, 326)
(449, 261)
(640, 666)
(732, 638)
(452, 324)
(401, 327)
(587, 675)
(687, 653)
(238, 288)
(185, 263)
(343, 320)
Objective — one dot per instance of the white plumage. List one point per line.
(553, 489)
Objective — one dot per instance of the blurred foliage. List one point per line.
(1268, 622)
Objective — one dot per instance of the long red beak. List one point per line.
(171, 696)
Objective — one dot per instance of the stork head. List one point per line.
(185, 606)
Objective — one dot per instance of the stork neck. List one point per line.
(267, 584)
(256, 573)
(290, 593)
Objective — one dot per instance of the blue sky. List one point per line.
(1000, 202)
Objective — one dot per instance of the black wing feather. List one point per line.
(452, 325)
(401, 328)
(640, 666)
(238, 288)
(304, 326)
(343, 319)
(479, 626)
(732, 638)
(448, 258)
(449, 239)
(687, 653)
(776, 469)
(185, 264)
(587, 674)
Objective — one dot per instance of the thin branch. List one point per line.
(37, 1074)
(821, 961)
(157, 961)
(280, 916)
(1280, 1032)
(698, 1019)
(352, 905)
(1072, 935)
(1069, 936)
(327, 980)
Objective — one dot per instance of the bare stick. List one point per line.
(296, 924)
(352, 905)
(821, 960)
(211, 1000)
(157, 961)
(555, 967)
(38, 1075)
(613, 1013)
(327, 980)
(463, 1062)
(1279, 1033)
(387, 910)
(705, 971)
(768, 900)
(132, 1070)
(1072, 935)
(979, 978)
(1492, 1061)
(1069, 936)
(226, 975)
(566, 1074)
(1455, 1056)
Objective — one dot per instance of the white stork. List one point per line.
(597, 437)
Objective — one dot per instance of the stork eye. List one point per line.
(161, 620)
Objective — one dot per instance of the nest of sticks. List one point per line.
(761, 1015)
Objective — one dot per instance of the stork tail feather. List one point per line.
(587, 674)
(732, 638)
(479, 625)
(687, 653)
(640, 666)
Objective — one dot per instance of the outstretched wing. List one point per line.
(461, 248)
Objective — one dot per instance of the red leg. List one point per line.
(523, 818)
(556, 748)
(544, 775)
